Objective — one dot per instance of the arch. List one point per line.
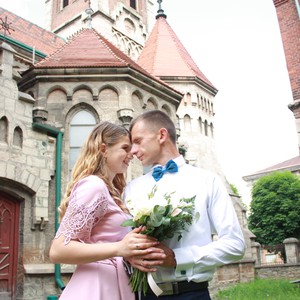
(81, 124)
(187, 99)
(81, 93)
(56, 87)
(211, 125)
(129, 26)
(137, 101)
(18, 137)
(187, 123)
(166, 109)
(110, 87)
(109, 95)
(206, 128)
(56, 96)
(151, 104)
(209, 106)
(122, 44)
(200, 125)
(205, 104)
(4, 130)
(78, 107)
(82, 87)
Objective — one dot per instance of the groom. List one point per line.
(186, 266)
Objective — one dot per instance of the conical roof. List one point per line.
(165, 56)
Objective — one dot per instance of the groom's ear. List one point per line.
(163, 134)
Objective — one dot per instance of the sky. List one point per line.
(237, 45)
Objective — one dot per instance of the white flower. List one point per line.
(176, 212)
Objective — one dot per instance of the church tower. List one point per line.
(125, 23)
(165, 57)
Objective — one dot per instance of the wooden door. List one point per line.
(9, 236)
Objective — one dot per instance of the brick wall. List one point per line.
(289, 23)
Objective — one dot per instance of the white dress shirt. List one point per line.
(197, 255)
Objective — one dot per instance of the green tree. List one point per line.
(275, 208)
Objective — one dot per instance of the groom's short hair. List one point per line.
(157, 119)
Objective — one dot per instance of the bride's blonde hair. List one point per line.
(91, 161)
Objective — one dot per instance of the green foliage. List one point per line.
(273, 289)
(234, 189)
(275, 208)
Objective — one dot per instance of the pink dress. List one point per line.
(93, 217)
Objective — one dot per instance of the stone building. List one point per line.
(124, 23)
(54, 90)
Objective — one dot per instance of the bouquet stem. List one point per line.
(139, 282)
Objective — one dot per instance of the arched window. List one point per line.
(187, 99)
(187, 123)
(81, 125)
(200, 125)
(18, 137)
(212, 130)
(4, 130)
(206, 128)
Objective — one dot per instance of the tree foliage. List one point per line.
(275, 208)
(234, 189)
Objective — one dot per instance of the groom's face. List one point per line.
(145, 143)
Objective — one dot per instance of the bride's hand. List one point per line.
(136, 243)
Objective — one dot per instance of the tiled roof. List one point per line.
(88, 49)
(29, 34)
(164, 54)
(292, 164)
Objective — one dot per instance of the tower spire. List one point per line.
(89, 13)
(160, 12)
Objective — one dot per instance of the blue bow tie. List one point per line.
(159, 171)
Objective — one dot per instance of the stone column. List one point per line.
(256, 253)
(291, 250)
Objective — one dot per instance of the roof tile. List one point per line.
(164, 54)
(88, 49)
(30, 34)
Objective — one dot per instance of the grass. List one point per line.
(261, 289)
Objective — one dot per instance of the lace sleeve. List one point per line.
(88, 204)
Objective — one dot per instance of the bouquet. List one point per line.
(163, 218)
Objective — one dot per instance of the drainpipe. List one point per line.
(56, 133)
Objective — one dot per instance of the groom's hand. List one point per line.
(169, 261)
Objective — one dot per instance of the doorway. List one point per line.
(9, 237)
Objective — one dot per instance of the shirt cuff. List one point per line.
(184, 267)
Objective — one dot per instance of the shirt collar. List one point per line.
(179, 160)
